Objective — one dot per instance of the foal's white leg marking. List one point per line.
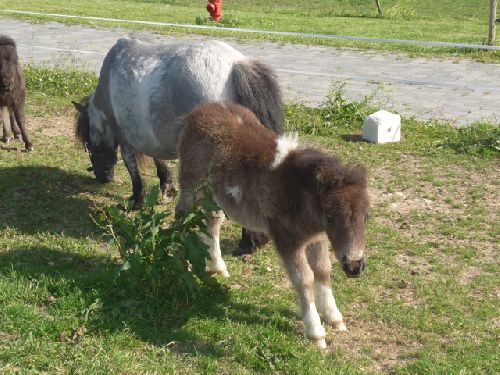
(302, 278)
(216, 264)
(235, 192)
(284, 145)
(313, 327)
(327, 306)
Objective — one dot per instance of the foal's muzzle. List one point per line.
(353, 268)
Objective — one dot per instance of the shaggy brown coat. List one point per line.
(295, 194)
(12, 93)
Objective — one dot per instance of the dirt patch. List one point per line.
(57, 126)
(414, 265)
(386, 347)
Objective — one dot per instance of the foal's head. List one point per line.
(346, 207)
(98, 139)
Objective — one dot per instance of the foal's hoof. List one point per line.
(320, 343)
(168, 193)
(223, 273)
(6, 140)
(171, 190)
(339, 325)
(18, 137)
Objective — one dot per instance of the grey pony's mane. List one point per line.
(82, 123)
(255, 86)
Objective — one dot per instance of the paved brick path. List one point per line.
(426, 88)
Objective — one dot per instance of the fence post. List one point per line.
(493, 17)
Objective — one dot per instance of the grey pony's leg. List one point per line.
(14, 126)
(167, 185)
(4, 117)
(319, 261)
(302, 278)
(19, 116)
(249, 242)
(128, 156)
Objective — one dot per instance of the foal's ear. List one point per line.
(78, 106)
(329, 176)
(358, 175)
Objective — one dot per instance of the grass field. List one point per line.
(427, 302)
(464, 21)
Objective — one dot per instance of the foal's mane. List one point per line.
(82, 122)
(7, 41)
(331, 171)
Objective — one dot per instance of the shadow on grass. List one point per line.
(45, 199)
(156, 320)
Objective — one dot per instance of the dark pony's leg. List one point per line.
(249, 242)
(4, 117)
(167, 185)
(128, 156)
(14, 126)
(19, 116)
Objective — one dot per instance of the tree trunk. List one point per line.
(493, 16)
(379, 8)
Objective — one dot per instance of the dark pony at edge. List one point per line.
(12, 93)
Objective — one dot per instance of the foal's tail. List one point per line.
(256, 87)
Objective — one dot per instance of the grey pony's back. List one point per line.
(256, 87)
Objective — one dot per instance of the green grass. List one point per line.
(462, 21)
(427, 302)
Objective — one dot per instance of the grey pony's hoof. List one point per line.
(168, 193)
(19, 137)
(250, 242)
(30, 148)
(6, 140)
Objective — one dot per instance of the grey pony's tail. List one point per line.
(256, 87)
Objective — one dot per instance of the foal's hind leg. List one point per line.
(215, 264)
(319, 261)
(167, 185)
(302, 279)
(130, 161)
(193, 168)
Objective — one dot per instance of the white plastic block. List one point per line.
(382, 127)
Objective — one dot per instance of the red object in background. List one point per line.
(214, 7)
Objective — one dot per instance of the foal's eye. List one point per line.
(330, 219)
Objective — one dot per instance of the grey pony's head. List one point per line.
(103, 156)
(8, 64)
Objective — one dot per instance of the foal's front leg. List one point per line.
(302, 279)
(319, 261)
(128, 156)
